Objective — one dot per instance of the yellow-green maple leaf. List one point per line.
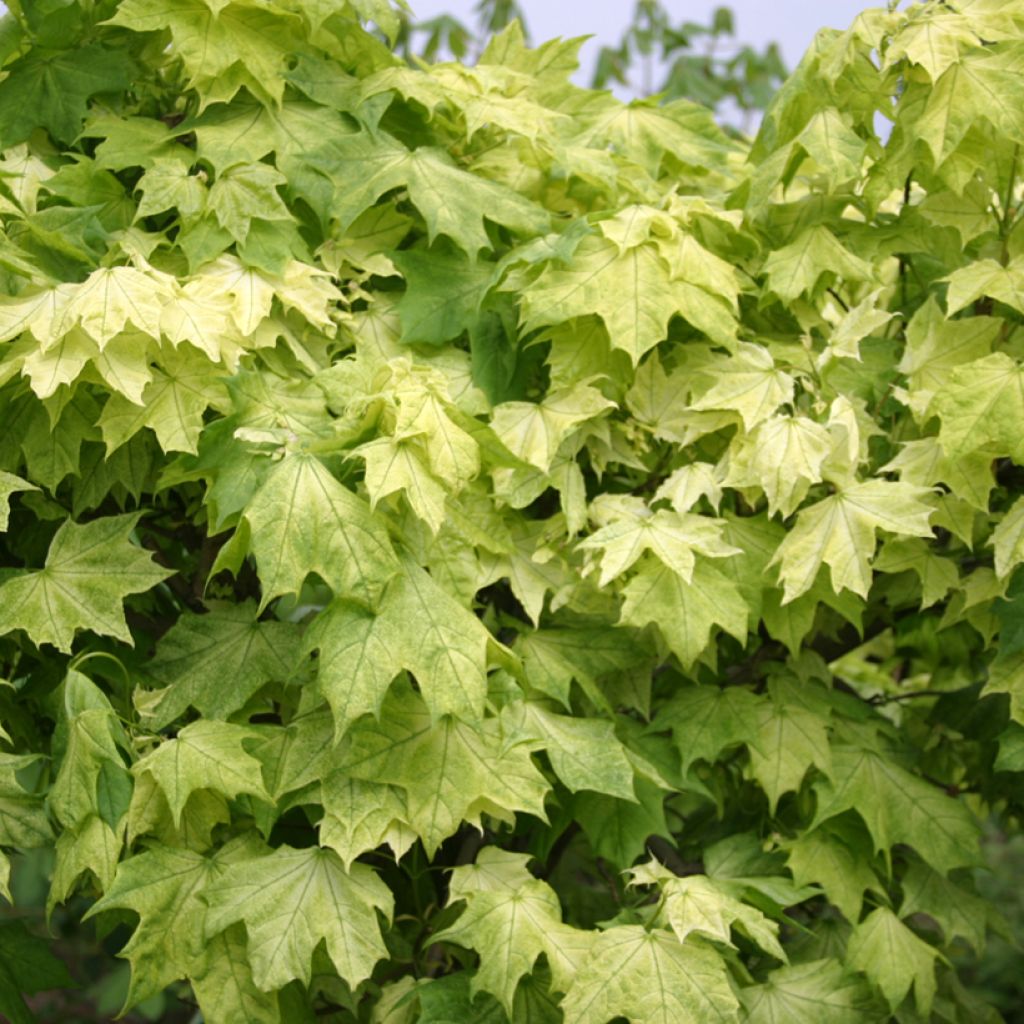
(88, 572)
(534, 431)
(650, 975)
(416, 626)
(784, 456)
(511, 918)
(634, 292)
(290, 900)
(674, 538)
(839, 531)
(895, 959)
(686, 613)
(302, 520)
(746, 382)
(204, 755)
(450, 770)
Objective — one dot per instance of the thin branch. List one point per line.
(895, 698)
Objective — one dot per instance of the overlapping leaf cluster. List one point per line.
(470, 545)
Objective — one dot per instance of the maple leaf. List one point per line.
(52, 87)
(510, 919)
(784, 456)
(417, 626)
(924, 464)
(23, 820)
(534, 431)
(938, 575)
(618, 830)
(790, 739)
(130, 141)
(987, 277)
(149, 814)
(216, 662)
(224, 985)
(1008, 539)
(168, 184)
(367, 165)
(981, 408)
(224, 47)
(250, 291)
(90, 847)
(697, 905)
(449, 998)
(797, 268)
(894, 958)
(443, 294)
(396, 464)
(450, 770)
(706, 720)
(112, 297)
(686, 613)
(933, 41)
(646, 131)
(172, 404)
(59, 364)
(92, 778)
(290, 900)
(204, 755)
(89, 570)
(985, 87)
(584, 752)
(835, 861)
(634, 292)
(958, 911)
(243, 192)
(163, 886)
(39, 312)
(748, 383)
(817, 992)
(10, 484)
(426, 413)
(650, 976)
(552, 658)
(673, 538)
(839, 531)
(360, 816)
(688, 484)
(302, 521)
(898, 807)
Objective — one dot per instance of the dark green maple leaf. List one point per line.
(443, 293)
(52, 88)
(899, 807)
(26, 966)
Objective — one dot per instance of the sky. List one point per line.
(790, 23)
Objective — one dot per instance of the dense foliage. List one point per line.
(474, 549)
